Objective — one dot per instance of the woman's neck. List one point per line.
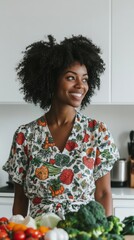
(60, 116)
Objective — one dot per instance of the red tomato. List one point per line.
(34, 233)
(3, 220)
(29, 232)
(19, 235)
(3, 234)
(2, 227)
(37, 234)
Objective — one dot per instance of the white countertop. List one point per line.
(123, 193)
(7, 194)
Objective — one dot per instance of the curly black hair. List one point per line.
(44, 61)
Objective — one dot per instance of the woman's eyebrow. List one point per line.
(75, 72)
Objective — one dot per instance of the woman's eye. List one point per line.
(70, 78)
(85, 80)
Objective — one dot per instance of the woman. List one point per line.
(62, 159)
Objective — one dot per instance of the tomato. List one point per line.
(29, 232)
(3, 234)
(19, 235)
(37, 234)
(34, 233)
(3, 220)
(3, 227)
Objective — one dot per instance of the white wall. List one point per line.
(119, 119)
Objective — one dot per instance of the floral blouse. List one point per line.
(57, 181)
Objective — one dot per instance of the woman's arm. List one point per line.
(20, 205)
(103, 193)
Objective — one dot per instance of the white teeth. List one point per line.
(76, 94)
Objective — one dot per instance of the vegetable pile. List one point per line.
(89, 223)
(19, 228)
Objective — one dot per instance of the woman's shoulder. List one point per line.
(91, 122)
(32, 125)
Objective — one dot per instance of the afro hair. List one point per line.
(44, 61)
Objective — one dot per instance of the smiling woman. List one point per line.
(62, 159)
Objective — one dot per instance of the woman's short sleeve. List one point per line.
(17, 162)
(106, 152)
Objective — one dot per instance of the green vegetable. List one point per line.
(115, 225)
(90, 219)
(109, 236)
(128, 225)
(90, 222)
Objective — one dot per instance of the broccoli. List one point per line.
(72, 232)
(109, 236)
(71, 221)
(83, 236)
(87, 218)
(117, 227)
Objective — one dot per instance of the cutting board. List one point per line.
(129, 237)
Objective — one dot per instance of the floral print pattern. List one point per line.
(57, 181)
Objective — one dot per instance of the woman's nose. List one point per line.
(79, 83)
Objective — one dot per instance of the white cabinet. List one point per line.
(123, 51)
(6, 204)
(20, 27)
(109, 23)
(123, 208)
(123, 202)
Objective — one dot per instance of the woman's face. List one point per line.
(72, 85)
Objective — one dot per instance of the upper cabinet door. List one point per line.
(123, 51)
(24, 22)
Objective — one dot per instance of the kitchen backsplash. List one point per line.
(119, 119)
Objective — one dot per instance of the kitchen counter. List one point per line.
(6, 191)
(123, 193)
(117, 193)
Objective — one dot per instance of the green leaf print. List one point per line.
(61, 159)
(77, 127)
(106, 154)
(76, 169)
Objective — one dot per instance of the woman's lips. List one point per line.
(77, 96)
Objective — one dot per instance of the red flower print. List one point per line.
(70, 197)
(66, 176)
(58, 206)
(70, 145)
(21, 169)
(52, 161)
(20, 138)
(106, 137)
(88, 162)
(97, 161)
(86, 138)
(36, 200)
(92, 124)
(39, 211)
